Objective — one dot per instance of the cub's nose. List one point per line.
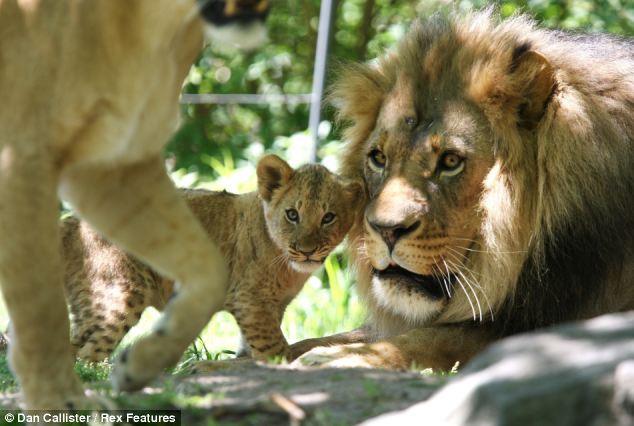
(391, 233)
(306, 250)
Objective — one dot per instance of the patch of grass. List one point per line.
(372, 389)
(92, 371)
(7, 381)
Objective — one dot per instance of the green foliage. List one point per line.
(92, 371)
(7, 381)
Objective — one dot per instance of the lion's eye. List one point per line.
(292, 215)
(328, 218)
(450, 164)
(377, 160)
(410, 121)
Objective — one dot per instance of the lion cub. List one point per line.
(273, 240)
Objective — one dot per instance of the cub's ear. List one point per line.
(533, 75)
(273, 173)
(354, 192)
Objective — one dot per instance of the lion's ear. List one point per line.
(273, 173)
(357, 92)
(534, 76)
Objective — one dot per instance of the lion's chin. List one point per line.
(415, 297)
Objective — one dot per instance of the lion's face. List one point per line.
(308, 211)
(424, 169)
(443, 132)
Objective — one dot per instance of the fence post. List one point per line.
(319, 73)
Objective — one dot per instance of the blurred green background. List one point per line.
(217, 146)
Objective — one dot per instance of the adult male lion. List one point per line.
(89, 95)
(497, 159)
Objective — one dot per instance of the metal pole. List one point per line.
(319, 73)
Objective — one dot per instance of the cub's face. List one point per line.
(425, 164)
(308, 211)
(238, 23)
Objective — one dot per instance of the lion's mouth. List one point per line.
(434, 287)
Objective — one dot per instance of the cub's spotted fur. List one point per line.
(273, 240)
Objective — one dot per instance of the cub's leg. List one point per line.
(259, 319)
(137, 207)
(31, 276)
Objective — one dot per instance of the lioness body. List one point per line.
(498, 159)
(107, 289)
(89, 96)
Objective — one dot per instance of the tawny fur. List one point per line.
(89, 96)
(107, 289)
(533, 228)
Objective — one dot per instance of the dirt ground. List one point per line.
(247, 393)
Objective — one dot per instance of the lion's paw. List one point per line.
(90, 401)
(344, 356)
(142, 362)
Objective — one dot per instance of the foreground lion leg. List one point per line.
(30, 273)
(138, 208)
(438, 348)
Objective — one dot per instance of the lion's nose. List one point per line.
(391, 233)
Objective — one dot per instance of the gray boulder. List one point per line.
(569, 375)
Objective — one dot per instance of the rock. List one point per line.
(574, 374)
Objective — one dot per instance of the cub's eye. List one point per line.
(328, 218)
(410, 121)
(292, 215)
(377, 160)
(450, 164)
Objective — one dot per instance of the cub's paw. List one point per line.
(357, 355)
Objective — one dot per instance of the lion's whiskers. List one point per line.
(362, 251)
(279, 261)
(472, 241)
(491, 251)
(457, 263)
(464, 289)
(444, 289)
